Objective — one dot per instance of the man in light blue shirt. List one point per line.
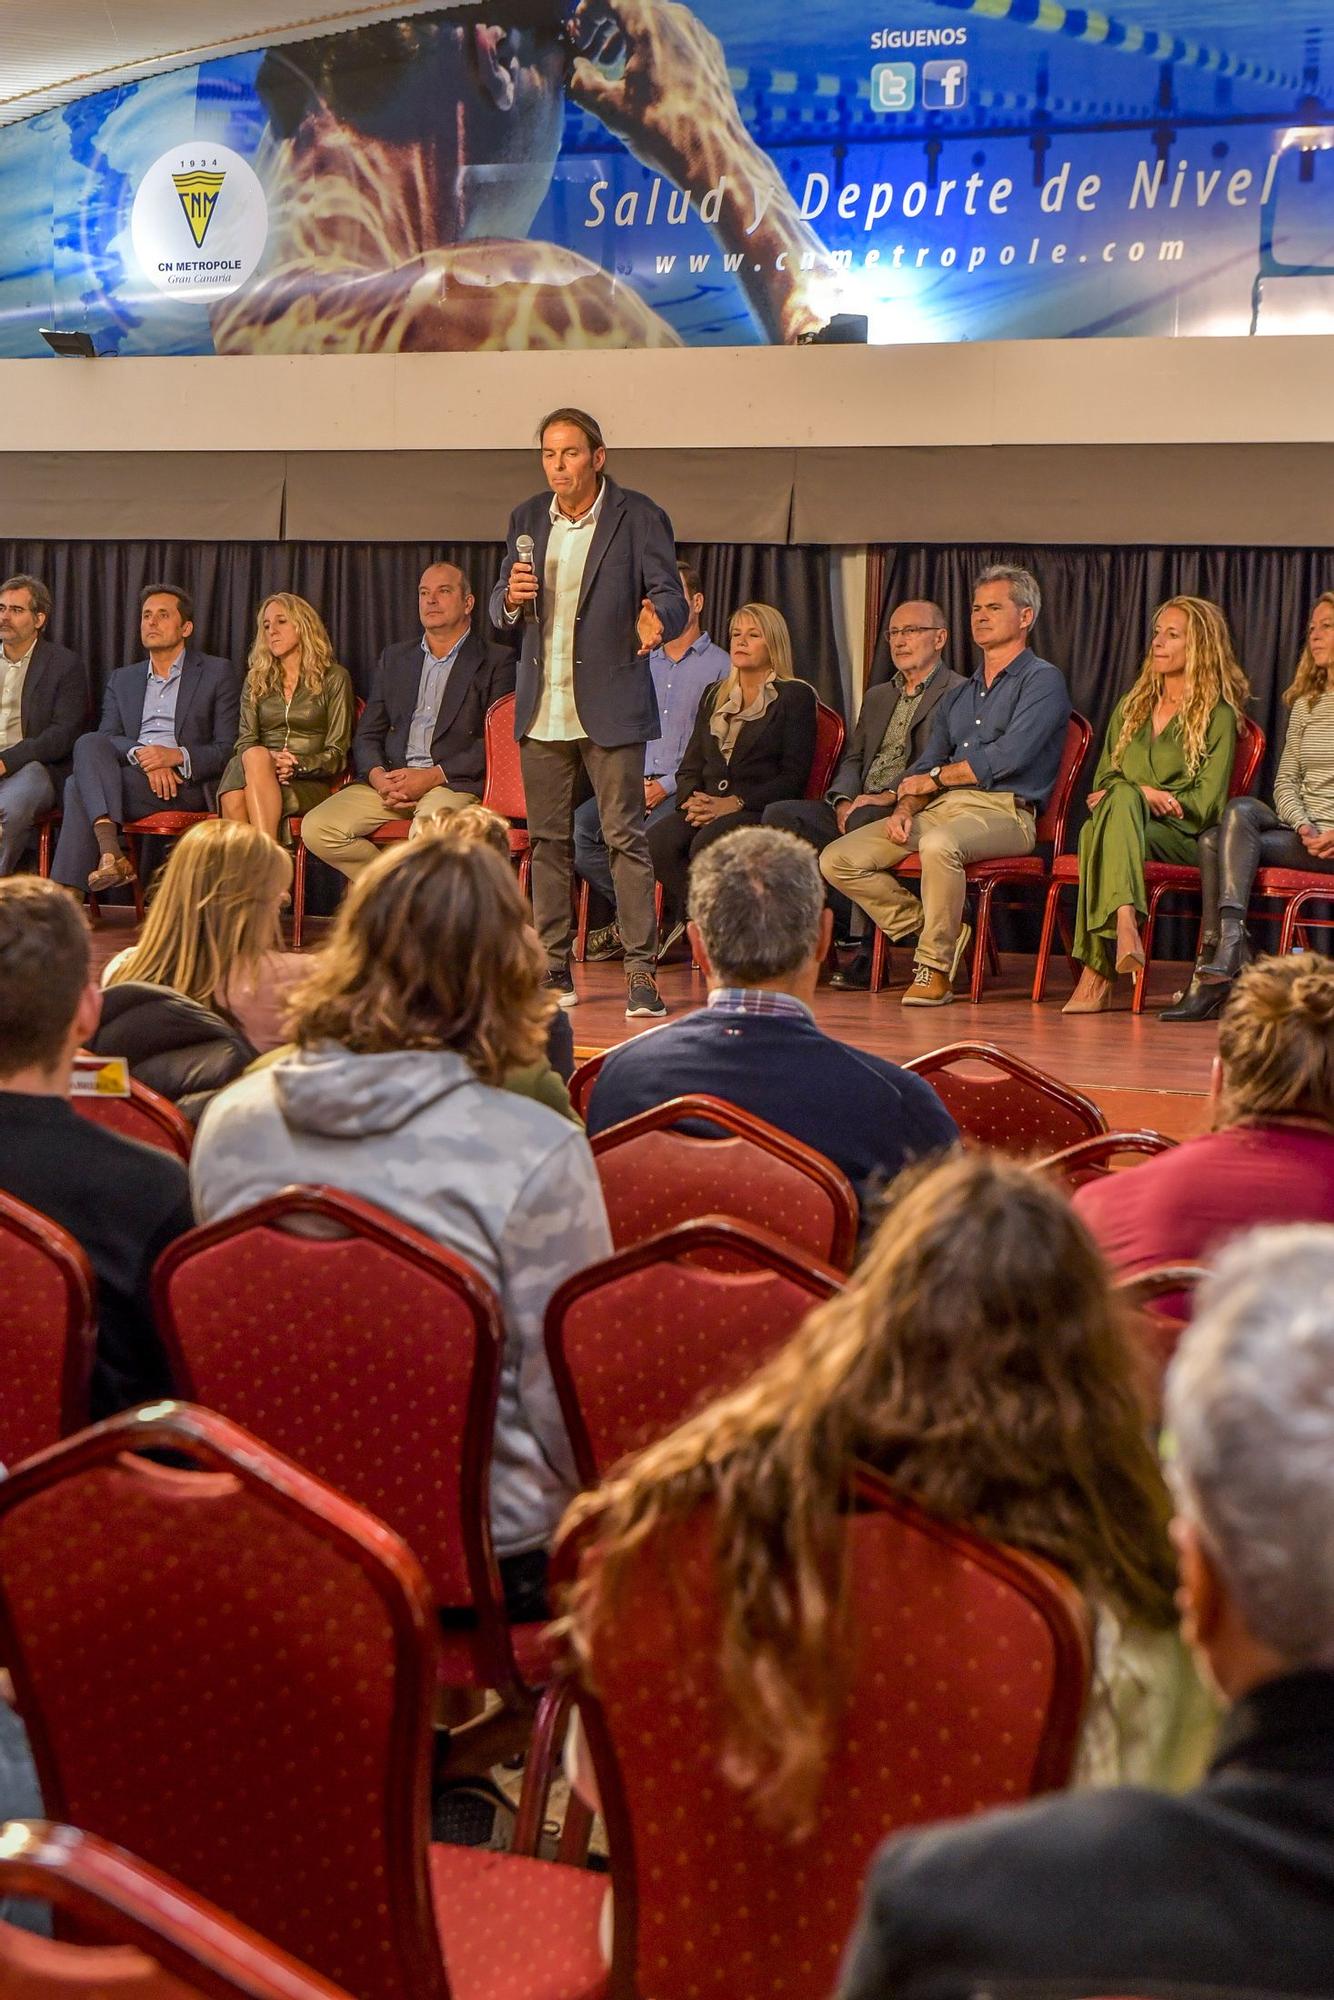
(682, 669)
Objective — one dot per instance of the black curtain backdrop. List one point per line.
(367, 593)
(1097, 610)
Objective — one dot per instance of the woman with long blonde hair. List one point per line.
(752, 744)
(212, 932)
(1161, 781)
(1298, 832)
(297, 709)
(976, 1359)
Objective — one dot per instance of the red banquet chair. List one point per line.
(1161, 1300)
(1161, 878)
(371, 1356)
(1013, 1107)
(1008, 870)
(643, 1339)
(50, 1331)
(143, 1115)
(654, 1174)
(829, 735)
(300, 858)
(503, 792)
(582, 1080)
(1094, 1159)
(1295, 888)
(46, 825)
(140, 1935)
(964, 1667)
(229, 1669)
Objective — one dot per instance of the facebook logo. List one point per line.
(894, 85)
(944, 85)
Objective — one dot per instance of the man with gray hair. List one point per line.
(974, 793)
(760, 929)
(1228, 1888)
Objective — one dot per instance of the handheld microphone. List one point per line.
(524, 547)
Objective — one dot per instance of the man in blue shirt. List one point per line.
(682, 669)
(760, 929)
(990, 759)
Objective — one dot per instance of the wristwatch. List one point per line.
(934, 775)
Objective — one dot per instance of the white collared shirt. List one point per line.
(13, 673)
(557, 718)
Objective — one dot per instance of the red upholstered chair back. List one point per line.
(829, 735)
(966, 1668)
(1247, 758)
(504, 773)
(1051, 821)
(144, 1116)
(642, 1340)
(1161, 1301)
(142, 1936)
(361, 1349)
(582, 1081)
(1093, 1159)
(50, 1327)
(1013, 1107)
(229, 1671)
(654, 1175)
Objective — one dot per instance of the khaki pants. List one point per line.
(961, 826)
(338, 827)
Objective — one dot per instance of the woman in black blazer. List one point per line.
(753, 742)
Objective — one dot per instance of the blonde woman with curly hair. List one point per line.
(212, 932)
(297, 710)
(1161, 780)
(1297, 832)
(978, 1361)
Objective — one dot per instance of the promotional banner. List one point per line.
(527, 173)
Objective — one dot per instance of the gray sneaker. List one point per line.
(642, 998)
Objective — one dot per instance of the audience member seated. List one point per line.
(1270, 1157)
(977, 1360)
(1161, 780)
(420, 745)
(212, 932)
(185, 1052)
(682, 669)
(1298, 833)
(427, 995)
(890, 734)
(753, 742)
(296, 720)
(1229, 1887)
(43, 708)
(123, 1202)
(760, 930)
(973, 792)
(167, 729)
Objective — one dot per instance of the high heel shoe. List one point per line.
(1234, 952)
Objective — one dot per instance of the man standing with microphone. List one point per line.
(591, 572)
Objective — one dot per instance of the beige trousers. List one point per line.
(960, 826)
(338, 827)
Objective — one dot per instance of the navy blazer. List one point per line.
(53, 710)
(479, 676)
(633, 556)
(208, 711)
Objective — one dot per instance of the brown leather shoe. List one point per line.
(928, 988)
(113, 871)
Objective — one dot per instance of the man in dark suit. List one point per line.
(168, 727)
(43, 707)
(890, 732)
(600, 590)
(1230, 1887)
(420, 747)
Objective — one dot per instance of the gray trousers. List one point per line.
(550, 773)
(23, 794)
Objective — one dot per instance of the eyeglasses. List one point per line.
(908, 631)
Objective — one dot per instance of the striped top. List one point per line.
(1304, 782)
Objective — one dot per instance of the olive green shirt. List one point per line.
(1161, 761)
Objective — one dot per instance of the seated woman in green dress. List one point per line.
(1161, 780)
(297, 711)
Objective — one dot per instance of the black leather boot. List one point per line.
(1234, 951)
(1198, 1002)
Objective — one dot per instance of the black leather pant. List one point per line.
(1249, 836)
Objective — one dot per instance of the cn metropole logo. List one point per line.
(944, 85)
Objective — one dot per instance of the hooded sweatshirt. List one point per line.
(499, 1179)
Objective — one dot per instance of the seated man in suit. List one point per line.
(890, 735)
(43, 707)
(759, 929)
(122, 1201)
(168, 727)
(1230, 1887)
(420, 747)
(991, 757)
